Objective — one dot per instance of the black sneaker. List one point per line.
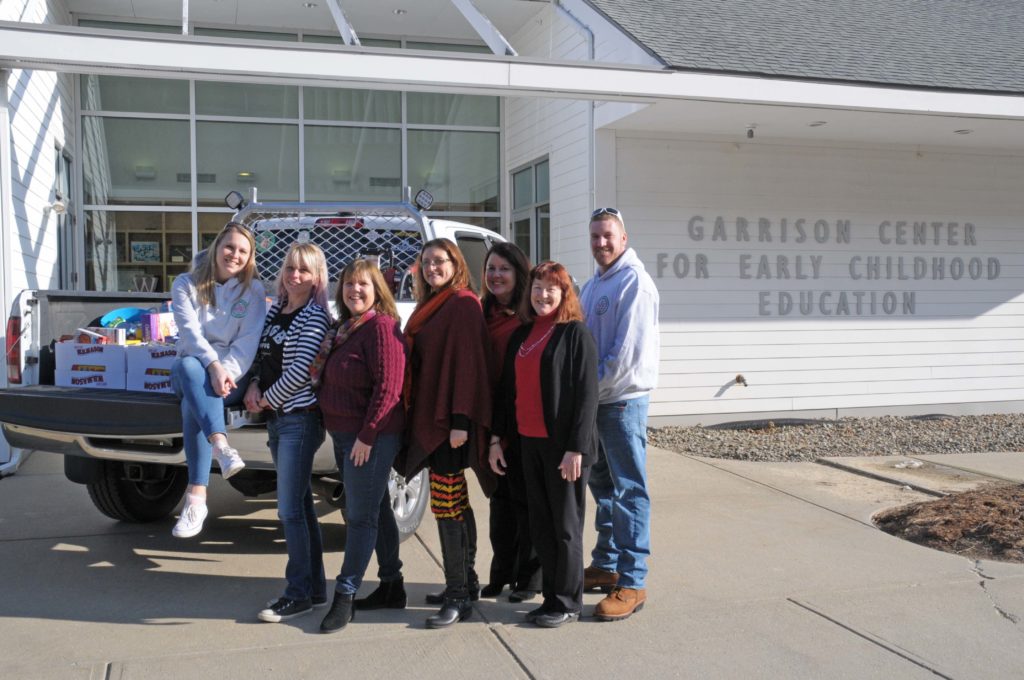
(285, 609)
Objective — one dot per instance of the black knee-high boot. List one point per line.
(472, 579)
(454, 552)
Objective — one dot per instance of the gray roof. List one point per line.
(949, 44)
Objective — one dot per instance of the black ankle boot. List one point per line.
(340, 614)
(452, 611)
(388, 595)
(438, 597)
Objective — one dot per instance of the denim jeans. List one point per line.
(369, 521)
(202, 414)
(618, 482)
(294, 439)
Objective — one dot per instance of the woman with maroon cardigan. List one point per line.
(548, 397)
(448, 396)
(360, 397)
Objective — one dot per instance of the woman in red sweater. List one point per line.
(448, 396)
(514, 562)
(360, 397)
(548, 399)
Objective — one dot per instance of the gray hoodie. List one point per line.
(621, 309)
(229, 333)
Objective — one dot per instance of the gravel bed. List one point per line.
(885, 436)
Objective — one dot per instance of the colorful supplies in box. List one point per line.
(101, 335)
(90, 365)
(161, 326)
(149, 367)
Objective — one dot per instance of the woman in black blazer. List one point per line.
(548, 400)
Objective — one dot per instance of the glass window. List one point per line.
(543, 182)
(492, 223)
(245, 99)
(242, 155)
(459, 168)
(336, 40)
(250, 35)
(447, 47)
(321, 103)
(474, 250)
(126, 26)
(135, 161)
(522, 188)
(133, 250)
(144, 95)
(428, 108)
(349, 163)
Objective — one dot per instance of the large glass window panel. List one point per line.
(522, 188)
(126, 26)
(143, 95)
(543, 182)
(245, 99)
(242, 155)
(336, 40)
(250, 35)
(135, 161)
(349, 163)
(447, 47)
(460, 169)
(321, 103)
(136, 250)
(429, 108)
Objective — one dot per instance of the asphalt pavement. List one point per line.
(758, 571)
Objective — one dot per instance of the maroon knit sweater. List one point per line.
(361, 389)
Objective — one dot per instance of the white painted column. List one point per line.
(6, 229)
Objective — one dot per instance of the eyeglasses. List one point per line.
(436, 262)
(615, 212)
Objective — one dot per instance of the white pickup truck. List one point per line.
(126, 447)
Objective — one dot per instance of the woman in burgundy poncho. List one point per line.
(448, 397)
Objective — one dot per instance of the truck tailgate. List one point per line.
(80, 410)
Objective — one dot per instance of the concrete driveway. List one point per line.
(759, 571)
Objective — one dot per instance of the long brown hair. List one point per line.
(512, 254)
(204, 274)
(569, 309)
(459, 280)
(383, 300)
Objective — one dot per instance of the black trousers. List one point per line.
(556, 524)
(514, 561)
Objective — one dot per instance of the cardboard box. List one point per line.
(149, 367)
(90, 365)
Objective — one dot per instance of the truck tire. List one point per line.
(138, 498)
(409, 501)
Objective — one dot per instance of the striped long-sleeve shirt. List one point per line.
(293, 390)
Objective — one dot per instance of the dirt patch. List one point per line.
(986, 523)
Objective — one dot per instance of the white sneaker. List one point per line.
(229, 460)
(191, 520)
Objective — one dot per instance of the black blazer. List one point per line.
(568, 386)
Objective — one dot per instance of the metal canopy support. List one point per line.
(484, 28)
(348, 35)
(184, 17)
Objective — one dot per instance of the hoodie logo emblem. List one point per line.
(239, 309)
(602, 305)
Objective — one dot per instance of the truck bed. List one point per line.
(80, 410)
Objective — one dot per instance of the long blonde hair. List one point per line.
(204, 274)
(310, 256)
(383, 300)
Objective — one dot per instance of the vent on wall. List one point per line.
(385, 181)
(201, 178)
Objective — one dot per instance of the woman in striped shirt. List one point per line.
(281, 388)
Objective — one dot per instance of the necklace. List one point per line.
(524, 351)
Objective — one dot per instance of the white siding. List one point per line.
(42, 117)
(963, 343)
(560, 128)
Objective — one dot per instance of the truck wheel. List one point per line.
(138, 493)
(409, 501)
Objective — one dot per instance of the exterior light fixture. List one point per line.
(145, 172)
(750, 130)
(246, 176)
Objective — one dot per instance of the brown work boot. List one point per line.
(620, 604)
(599, 579)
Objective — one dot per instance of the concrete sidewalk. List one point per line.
(759, 570)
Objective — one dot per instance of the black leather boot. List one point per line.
(472, 580)
(340, 614)
(388, 595)
(454, 551)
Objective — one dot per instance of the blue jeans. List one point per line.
(202, 414)
(369, 521)
(294, 439)
(618, 482)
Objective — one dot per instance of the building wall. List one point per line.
(943, 333)
(42, 117)
(561, 129)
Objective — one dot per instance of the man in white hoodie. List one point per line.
(620, 304)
